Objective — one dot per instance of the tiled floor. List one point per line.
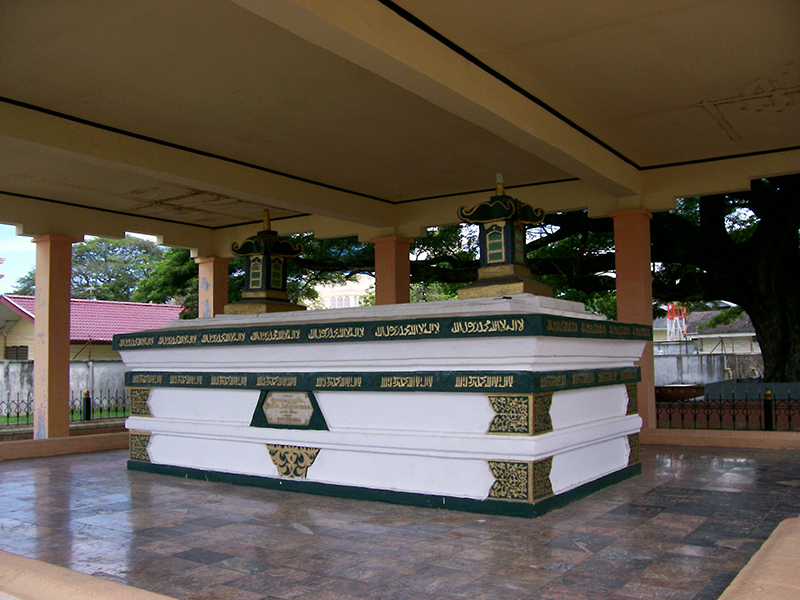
(681, 530)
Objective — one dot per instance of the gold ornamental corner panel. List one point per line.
(521, 414)
(520, 481)
(633, 398)
(138, 443)
(139, 402)
(292, 461)
(633, 444)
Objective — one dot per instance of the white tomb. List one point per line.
(511, 405)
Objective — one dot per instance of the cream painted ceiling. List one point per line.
(660, 82)
(646, 83)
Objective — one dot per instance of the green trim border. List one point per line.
(496, 325)
(490, 507)
(510, 382)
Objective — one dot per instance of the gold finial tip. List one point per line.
(266, 220)
(499, 187)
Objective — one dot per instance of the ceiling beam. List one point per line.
(374, 37)
(34, 217)
(662, 186)
(56, 137)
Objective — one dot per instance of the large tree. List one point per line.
(744, 248)
(105, 269)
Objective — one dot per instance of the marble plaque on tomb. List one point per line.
(288, 408)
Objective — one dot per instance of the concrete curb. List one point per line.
(772, 440)
(772, 572)
(66, 445)
(27, 579)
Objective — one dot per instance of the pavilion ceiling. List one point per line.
(204, 113)
(659, 82)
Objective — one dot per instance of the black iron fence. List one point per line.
(733, 406)
(17, 409)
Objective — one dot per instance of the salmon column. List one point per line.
(392, 269)
(51, 336)
(635, 294)
(213, 286)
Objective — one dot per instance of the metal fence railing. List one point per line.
(764, 409)
(17, 409)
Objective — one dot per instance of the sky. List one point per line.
(20, 255)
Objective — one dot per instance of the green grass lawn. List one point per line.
(74, 415)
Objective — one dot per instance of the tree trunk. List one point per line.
(770, 289)
(777, 324)
(761, 273)
(772, 300)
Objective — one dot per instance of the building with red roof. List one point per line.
(92, 325)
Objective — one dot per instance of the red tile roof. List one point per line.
(100, 320)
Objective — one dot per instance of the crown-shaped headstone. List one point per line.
(503, 222)
(265, 272)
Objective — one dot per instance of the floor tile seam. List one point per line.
(659, 553)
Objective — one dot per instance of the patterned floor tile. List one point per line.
(680, 531)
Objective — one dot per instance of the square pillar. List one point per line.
(635, 294)
(213, 286)
(392, 269)
(51, 336)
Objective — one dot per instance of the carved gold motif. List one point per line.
(276, 381)
(542, 423)
(135, 342)
(139, 405)
(147, 378)
(139, 441)
(520, 481)
(633, 444)
(292, 461)
(185, 379)
(407, 381)
(513, 415)
(512, 480)
(488, 326)
(339, 381)
(552, 381)
(521, 414)
(542, 486)
(484, 381)
(633, 398)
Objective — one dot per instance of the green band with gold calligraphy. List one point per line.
(522, 382)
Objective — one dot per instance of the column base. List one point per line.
(258, 306)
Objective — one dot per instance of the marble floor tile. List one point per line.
(680, 531)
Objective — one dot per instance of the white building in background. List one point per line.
(344, 296)
(738, 337)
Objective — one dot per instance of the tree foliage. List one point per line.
(173, 279)
(334, 261)
(105, 269)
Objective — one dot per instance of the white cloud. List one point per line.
(16, 244)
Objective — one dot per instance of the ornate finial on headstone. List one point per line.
(503, 222)
(265, 272)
